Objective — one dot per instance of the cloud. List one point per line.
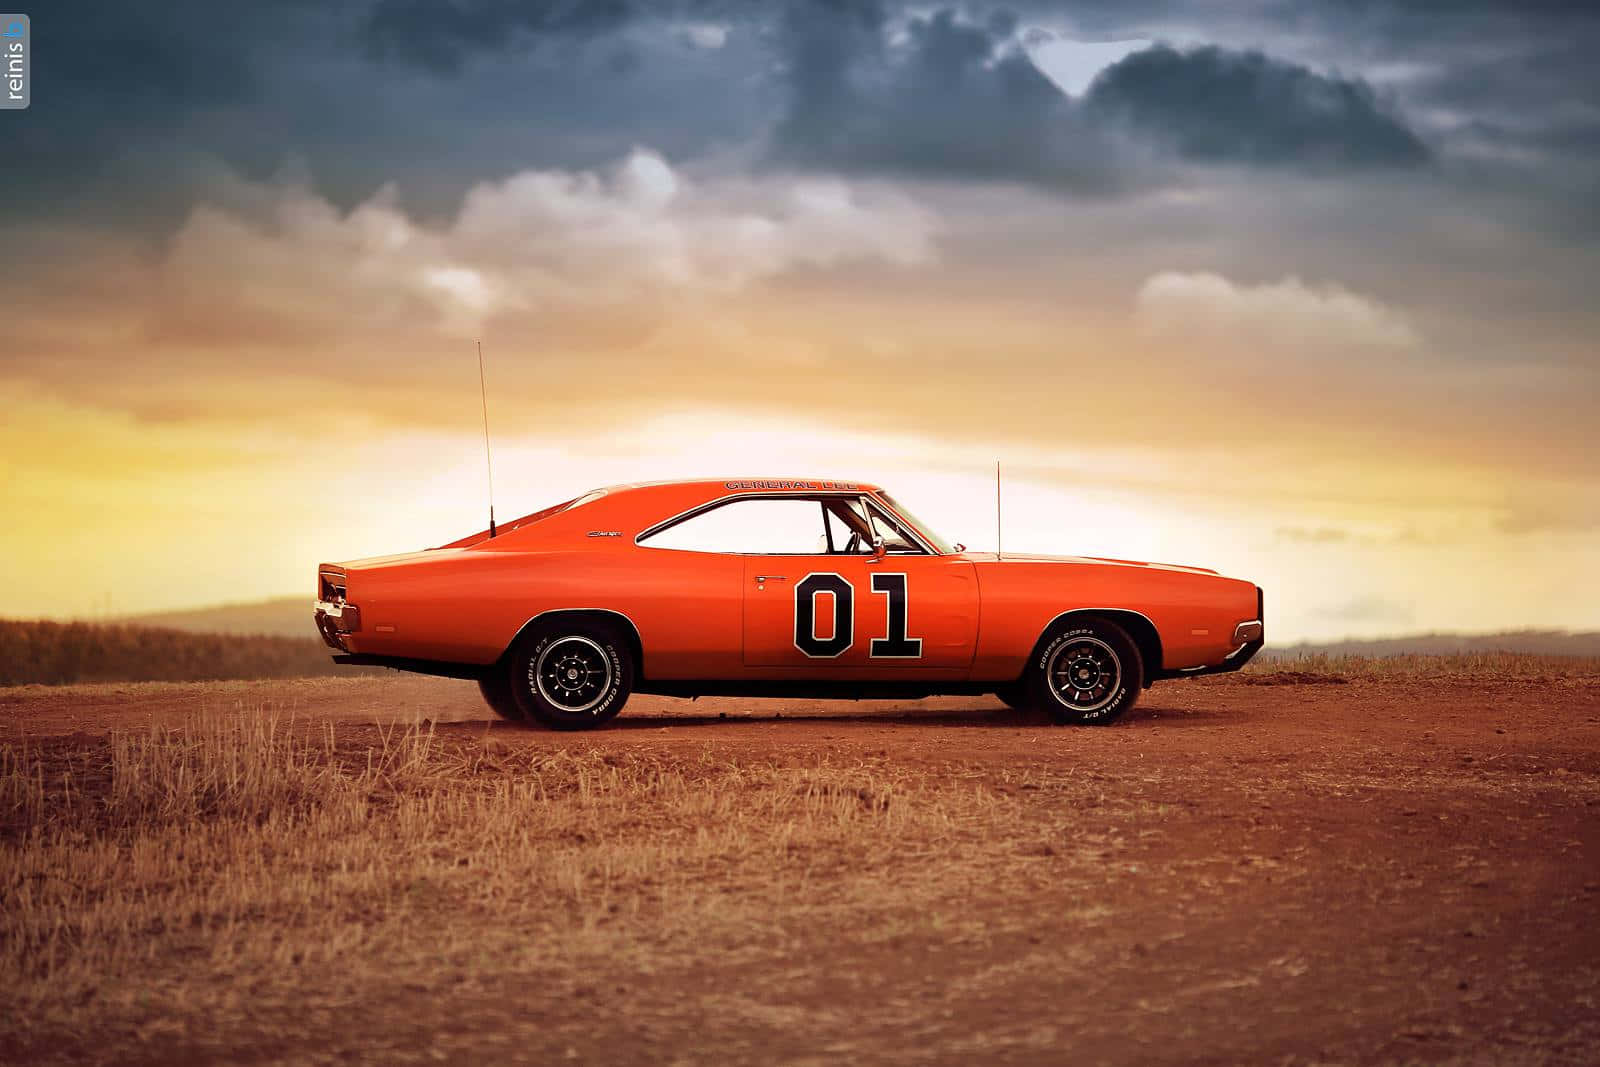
(705, 35)
(1573, 510)
(1211, 105)
(278, 261)
(942, 97)
(1369, 608)
(1312, 535)
(441, 37)
(1207, 308)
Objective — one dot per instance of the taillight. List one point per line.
(330, 587)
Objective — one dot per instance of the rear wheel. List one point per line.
(571, 675)
(496, 690)
(1087, 672)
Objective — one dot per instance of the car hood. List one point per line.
(1041, 557)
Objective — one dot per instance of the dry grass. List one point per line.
(187, 865)
(240, 884)
(1320, 668)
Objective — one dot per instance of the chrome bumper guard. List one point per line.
(334, 621)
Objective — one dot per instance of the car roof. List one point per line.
(659, 500)
(717, 487)
(649, 502)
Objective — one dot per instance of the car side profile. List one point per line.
(777, 587)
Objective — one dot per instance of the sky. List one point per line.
(1304, 292)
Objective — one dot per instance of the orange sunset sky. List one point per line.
(1308, 300)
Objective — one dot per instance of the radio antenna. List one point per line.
(997, 555)
(488, 459)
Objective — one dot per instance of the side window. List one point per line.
(896, 539)
(790, 526)
(846, 528)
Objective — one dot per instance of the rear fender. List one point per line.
(604, 616)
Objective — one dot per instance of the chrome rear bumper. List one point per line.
(335, 621)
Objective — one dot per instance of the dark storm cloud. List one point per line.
(1215, 106)
(137, 110)
(110, 76)
(440, 37)
(955, 97)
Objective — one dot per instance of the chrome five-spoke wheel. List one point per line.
(573, 673)
(1088, 671)
(1084, 673)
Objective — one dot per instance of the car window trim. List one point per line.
(871, 504)
(866, 499)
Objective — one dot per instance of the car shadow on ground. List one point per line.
(979, 716)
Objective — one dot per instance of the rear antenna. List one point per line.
(488, 460)
(997, 555)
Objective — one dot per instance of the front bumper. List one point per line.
(335, 622)
(1235, 659)
(1249, 637)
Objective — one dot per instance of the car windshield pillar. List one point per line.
(925, 536)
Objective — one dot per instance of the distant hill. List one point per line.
(61, 653)
(288, 616)
(1537, 642)
(291, 617)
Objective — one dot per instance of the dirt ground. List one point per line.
(1310, 872)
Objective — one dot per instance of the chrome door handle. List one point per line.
(772, 578)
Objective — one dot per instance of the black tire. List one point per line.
(1089, 672)
(1014, 696)
(496, 689)
(571, 675)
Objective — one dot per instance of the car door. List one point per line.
(851, 612)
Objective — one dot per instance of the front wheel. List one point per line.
(571, 676)
(1088, 672)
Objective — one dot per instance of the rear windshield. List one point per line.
(529, 520)
(575, 502)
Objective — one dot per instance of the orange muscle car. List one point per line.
(775, 587)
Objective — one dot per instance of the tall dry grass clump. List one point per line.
(181, 861)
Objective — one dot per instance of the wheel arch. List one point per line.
(604, 616)
(1140, 629)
